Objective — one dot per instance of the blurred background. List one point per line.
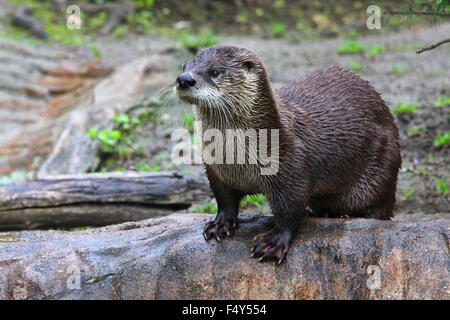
(85, 86)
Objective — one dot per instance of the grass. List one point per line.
(79, 229)
(254, 200)
(399, 47)
(441, 139)
(355, 66)
(143, 166)
(416, 131)
(16, 176)
(107, 138)
(421, 170)
(350, 47)
(277, 29)
(352, 34)
(195, 41)
(375, 50)
(96, 51)
(301, 26)
(399, 70)
(431, 74)
(206, 208)
(442, 101)
(402, 108)
(408, 193)
(442, 186)
(188, 121)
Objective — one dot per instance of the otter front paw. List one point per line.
(273, 244)
(222, 226)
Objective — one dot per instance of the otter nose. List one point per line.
(185, 80)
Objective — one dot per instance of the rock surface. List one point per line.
(40, 91)
(167, 258)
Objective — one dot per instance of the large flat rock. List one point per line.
(167, 258)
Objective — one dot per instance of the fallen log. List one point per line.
(98, 199)
(167, 258)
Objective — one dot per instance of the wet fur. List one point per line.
(339, 144)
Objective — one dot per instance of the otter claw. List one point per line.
(272, 245)
(218, 229)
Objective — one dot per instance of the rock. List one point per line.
(39, 88)
(167, 258)
(73, 151)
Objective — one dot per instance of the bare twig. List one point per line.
(420, 50)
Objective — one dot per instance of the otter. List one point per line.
(339, 150)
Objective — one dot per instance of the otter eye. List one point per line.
(214, 73)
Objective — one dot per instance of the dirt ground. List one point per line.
(398, 73)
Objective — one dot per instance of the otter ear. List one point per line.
(248, 65)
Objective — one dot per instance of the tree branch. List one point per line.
(420, 50)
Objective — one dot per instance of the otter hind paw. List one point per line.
(272, 245)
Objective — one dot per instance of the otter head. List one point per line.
(226, 78)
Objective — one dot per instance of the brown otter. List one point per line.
(339, 151)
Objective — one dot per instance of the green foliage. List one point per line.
(125, 122)
(277, 29)
(204, 38)
(399, 70)
(188, 121)
(421, 170)
(96, 51)
(441, 139)
(141, 21)
(279, 4)
(401, 108)
(207, 208)
(442, 186)
(144, 4)
(376, 49)
(255, 200)
(350, 47)
(109, 139)
(301, 26)
(118, 141)
(79, 229)
(242, 16)
(442, 101)
(16, 176)
(416, 131)
(352, 34)
(142, 166)
(408, 193)
(120, 31)
(98, 21)
(355, 66)
(431, 74)
(399, 47)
